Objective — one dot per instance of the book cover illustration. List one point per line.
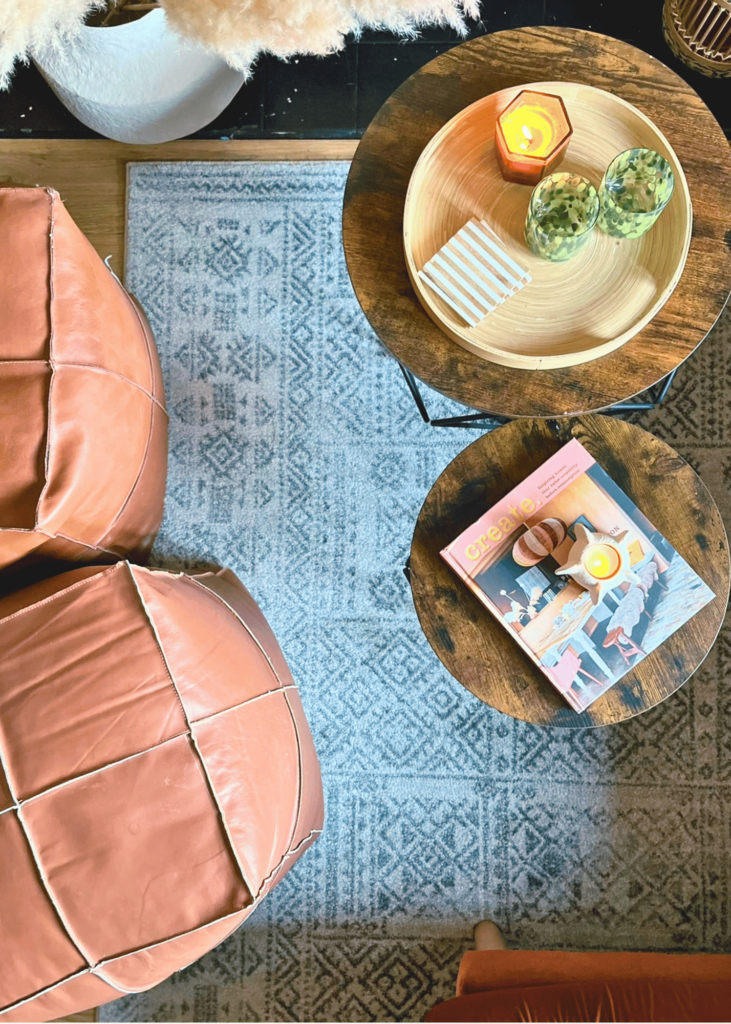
(584, 638)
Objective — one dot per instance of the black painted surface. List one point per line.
(311, 96)
(382, 67)
(335, 97)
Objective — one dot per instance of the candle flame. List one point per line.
(528, 137)
(602, 561)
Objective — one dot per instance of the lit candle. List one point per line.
(531, 136)
(602, 561)
(599, 562)
(528, 130)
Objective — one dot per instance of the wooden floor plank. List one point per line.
(83, 1017)
(90, 174)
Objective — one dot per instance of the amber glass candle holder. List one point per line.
(531, 136)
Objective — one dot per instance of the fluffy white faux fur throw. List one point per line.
(26, 25)
(237, 29)
(241, 29)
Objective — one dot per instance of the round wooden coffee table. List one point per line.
(380, 173)
(478, 650)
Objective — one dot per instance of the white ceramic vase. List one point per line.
(139, 82)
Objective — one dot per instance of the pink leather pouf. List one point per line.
(83, 426)
(158, 779)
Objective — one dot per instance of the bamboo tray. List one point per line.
(571, 312)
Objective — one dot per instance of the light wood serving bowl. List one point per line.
(571, 312)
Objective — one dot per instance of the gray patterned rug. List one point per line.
(298, 459)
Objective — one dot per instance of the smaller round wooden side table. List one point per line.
(478, 650)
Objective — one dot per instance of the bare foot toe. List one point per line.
(487, 935)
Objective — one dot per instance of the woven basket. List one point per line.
(699, 33)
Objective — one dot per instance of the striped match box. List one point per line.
(473, 273)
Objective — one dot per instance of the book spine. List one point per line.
(452, 561)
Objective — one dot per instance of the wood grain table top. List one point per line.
(478, 650)
(379, 177)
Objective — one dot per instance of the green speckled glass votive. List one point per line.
(636, 188)
(561, 215)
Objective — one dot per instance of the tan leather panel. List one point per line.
(99, 432)
(145, 849)
(133, 532)
(85, 487)
(115, 713)
(229, 587)
(25, 217)
(205, 645)
(140, 971)
(24, 598)
(58, 553)
(35, 949)
(148, 833)
(72, 996)
(6, 799)
(252, 761)
(93, 319)
(23, 420)
(288, 863)
(157, 387)
(312, 808)
(16, 546)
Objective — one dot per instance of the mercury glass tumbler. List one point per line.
(635, 189)
(562, 212)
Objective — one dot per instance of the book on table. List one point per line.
(628, 592)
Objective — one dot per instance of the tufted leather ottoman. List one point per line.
(83, 427)
(158, 779)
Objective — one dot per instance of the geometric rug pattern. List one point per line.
(298, 459)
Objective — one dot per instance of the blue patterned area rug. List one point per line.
(299, 460)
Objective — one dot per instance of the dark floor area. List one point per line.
(336, 97)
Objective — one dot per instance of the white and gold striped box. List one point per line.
(473, 273)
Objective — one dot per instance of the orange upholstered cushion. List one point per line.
(594, 1001)
(526, 985)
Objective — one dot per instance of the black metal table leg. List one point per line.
(416, 394)
(657, 395)
(477, 420)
